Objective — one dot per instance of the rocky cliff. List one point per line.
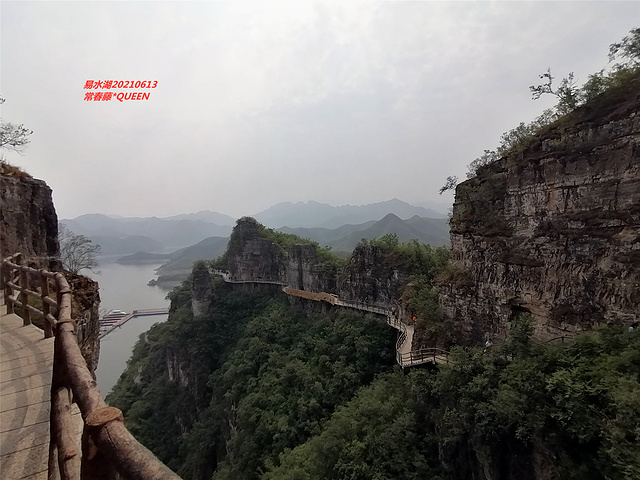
(257, 253)
(553, 229)
(371, 278)
(29, 224)
(373, 274)
(85, 309)
(28, 220)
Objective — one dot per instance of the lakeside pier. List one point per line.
(110, 323)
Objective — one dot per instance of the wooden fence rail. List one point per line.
(108, 449)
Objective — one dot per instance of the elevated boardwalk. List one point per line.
(26, 364)
(405, 356)
(55, 422)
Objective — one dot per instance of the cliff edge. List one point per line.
(28, 220)
(29, 225)
(553, 229)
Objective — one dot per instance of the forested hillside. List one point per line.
(232, 389)
(261, 386)
(260, 389)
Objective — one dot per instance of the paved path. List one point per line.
(26, 360)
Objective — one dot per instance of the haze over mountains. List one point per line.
(434, 231)
(314, 214)
(150, 234)
(182, 239)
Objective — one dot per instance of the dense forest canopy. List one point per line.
(269, 391)
(259, 387)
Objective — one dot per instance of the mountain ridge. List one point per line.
(315, 214)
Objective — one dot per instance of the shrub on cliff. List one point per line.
(569, 98)
(13, 137)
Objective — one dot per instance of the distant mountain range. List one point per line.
(339, 227)
(149, 234)
(434, 231)
(314, 214)
(342, 240)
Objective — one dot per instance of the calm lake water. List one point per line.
(124, 287)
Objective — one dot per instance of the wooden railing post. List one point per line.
(24, 297)
(46, 309)
(95, 465)
(62, 423)
(8, 291)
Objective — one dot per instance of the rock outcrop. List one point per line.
(85, 309)
(29, 225)
(254, 256)
(370, 278)
(200, 289)
(28, 220)
(554, 229)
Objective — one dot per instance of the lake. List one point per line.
(124, 287)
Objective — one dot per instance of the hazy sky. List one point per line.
(262, 102)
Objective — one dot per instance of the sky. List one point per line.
(258, 103)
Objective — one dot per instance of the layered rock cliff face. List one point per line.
(28, 219)
(29, 225)
(255, 257)
(371, 279)
(259, 259)
(85, 309)
(554, 229)
(201, 289)
(305, 271)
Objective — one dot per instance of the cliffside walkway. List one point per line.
(404, 355)
(26, 365)
(54, 421)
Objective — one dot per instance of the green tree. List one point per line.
(567, 92)
(376, 435)
(628, 48)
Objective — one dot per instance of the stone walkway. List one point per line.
(26, 362)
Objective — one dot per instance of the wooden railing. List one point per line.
(107, 448)
(423, 355)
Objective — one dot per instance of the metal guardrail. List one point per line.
(108, 450)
